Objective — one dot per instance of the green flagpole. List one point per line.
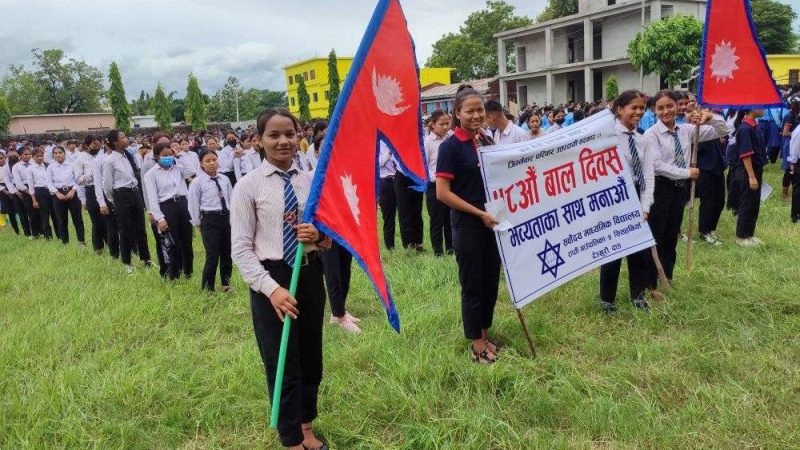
(287, 326)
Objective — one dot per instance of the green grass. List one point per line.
(91, 358)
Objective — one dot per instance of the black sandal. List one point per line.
(483, 357)
(324, 446)
(497, 347)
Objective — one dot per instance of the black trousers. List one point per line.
(734, 190)
(163, 267)
(303, 371)
(711, 189)
(112, 230)
(9, 209)
(176, 213)
(130, 215)
(409, 208)
(46, 212)
(796, 194)
(22, 211)
(216, 232)
(749, 202)
(478, 272)
(388, 202)
(73, 208)
(99, 230)
(439, 222)
(336, 263)
(641, 272)
(666, 217)
(787, 179)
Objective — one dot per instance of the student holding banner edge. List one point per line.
(629, 108)
(460, 187)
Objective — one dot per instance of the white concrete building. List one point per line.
(571, 58)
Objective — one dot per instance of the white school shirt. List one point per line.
(225, 159)
(511, 134)
(8, 178)
(20, 176)
(386, 164)
(204, 195)
(794, 147)
(3, 178)
(432, 142)
(247, 163)
(48, 154)
(160, 185)
(189, 163)
(646, 159)
(97, 175)
(83, 169)
(117, 173)
(37, 177)
(60, 176)
(662, 143)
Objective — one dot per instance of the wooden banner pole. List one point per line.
(527, 333)
(692, 190)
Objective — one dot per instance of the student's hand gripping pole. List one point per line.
(287, 326)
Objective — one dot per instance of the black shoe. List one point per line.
(608, 307)
(795, 219)
(641, 304)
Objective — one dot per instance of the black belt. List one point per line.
(214, 213)
(65, 190)
(127, 189)
(176, 199)
(308, 258)
(676, 183)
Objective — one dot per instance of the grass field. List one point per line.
(91, 358)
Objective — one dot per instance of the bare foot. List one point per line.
(309, 439)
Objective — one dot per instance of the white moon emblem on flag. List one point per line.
(388, 94)
(723, 62)
(351, 195)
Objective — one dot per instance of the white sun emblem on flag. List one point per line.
(388, 94)
(351, 195)
(723, 61)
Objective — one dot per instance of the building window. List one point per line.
(290, 80)
(794, 76)
(316, 97)
(326, 95)
(597, 41)
(305, 76)
(612, 2)
(522, 60)
(570, 50)
(313, 74)
(297, 78)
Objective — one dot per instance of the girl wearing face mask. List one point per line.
(558, 119)
(64, 189)
(166, 199)
(437, 211)
(459, 186)
(671, 145)
(265, 233)
(6, 200)
(41, 199)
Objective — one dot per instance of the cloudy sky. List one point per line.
(163, 40)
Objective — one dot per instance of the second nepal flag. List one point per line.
(380, 101)
(733, 68)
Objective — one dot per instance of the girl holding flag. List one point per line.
(265, 233)
(460, 187)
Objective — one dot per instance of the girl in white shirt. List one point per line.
(64, 189)
(438, 212)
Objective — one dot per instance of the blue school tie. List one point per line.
(289, 218)
(680, 160)
(637, 163)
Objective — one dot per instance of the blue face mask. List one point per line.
(166, 161)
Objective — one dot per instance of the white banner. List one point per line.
(567, 204)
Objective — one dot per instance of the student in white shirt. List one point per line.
(386, 198)
(6, 201)
(248, 161)
(209, 207)
(439, 213)
(535, 129)
(64, 189)
(41, 199)
(226, 156)
(505, 131)
(188, 161)
(19, 187)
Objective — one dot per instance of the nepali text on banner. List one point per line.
(568, 203)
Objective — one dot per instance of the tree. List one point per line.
(141, 106)
(473, 50)
(612, 88)
(67, 86)
(119, 104)
(5, 116)
(162, 108)
(558, 8)
(225, 104)
(22, 91)
(254, 101)
(669, 47)
(773, 21)
(195, 105)
(333, 82)
(303, 100)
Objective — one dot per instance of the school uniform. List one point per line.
(166, 200)
(111, 221)
(474, 244)
(225, 163)
(37, 184)
(792, 158)
(84, 178)
(672, 150)
(386, 197)
(14, 201)
(121, 186)
(511, 134)
(188, 163)
(61, 180)
(711, 184)
(209, 208)
(632, 146)
(6, 202)
(750, 143)
(265, 203)
(438, 212)
(248, 162)
(20, 177)
(409, 208)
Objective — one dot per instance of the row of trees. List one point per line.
(56, 84)
(472, 51)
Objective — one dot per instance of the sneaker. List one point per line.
(710, 240)
(30, 238)
(226, 289)
(351, 317)
(129, 269)
(640, 303)
(747, 242)
(346, 324)
(608, 307)
(757, 241)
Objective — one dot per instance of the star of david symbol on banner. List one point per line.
(551, 258)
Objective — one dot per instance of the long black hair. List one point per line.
(625, 99)
(464, 91)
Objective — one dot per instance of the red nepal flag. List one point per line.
(380, 100)
(733, 68)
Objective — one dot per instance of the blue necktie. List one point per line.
(680, 160)
(637, 163)
(289, 218)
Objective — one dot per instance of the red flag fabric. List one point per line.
(380, 100)
(733, 68)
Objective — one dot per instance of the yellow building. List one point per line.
(785, 68)
(314, 72)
